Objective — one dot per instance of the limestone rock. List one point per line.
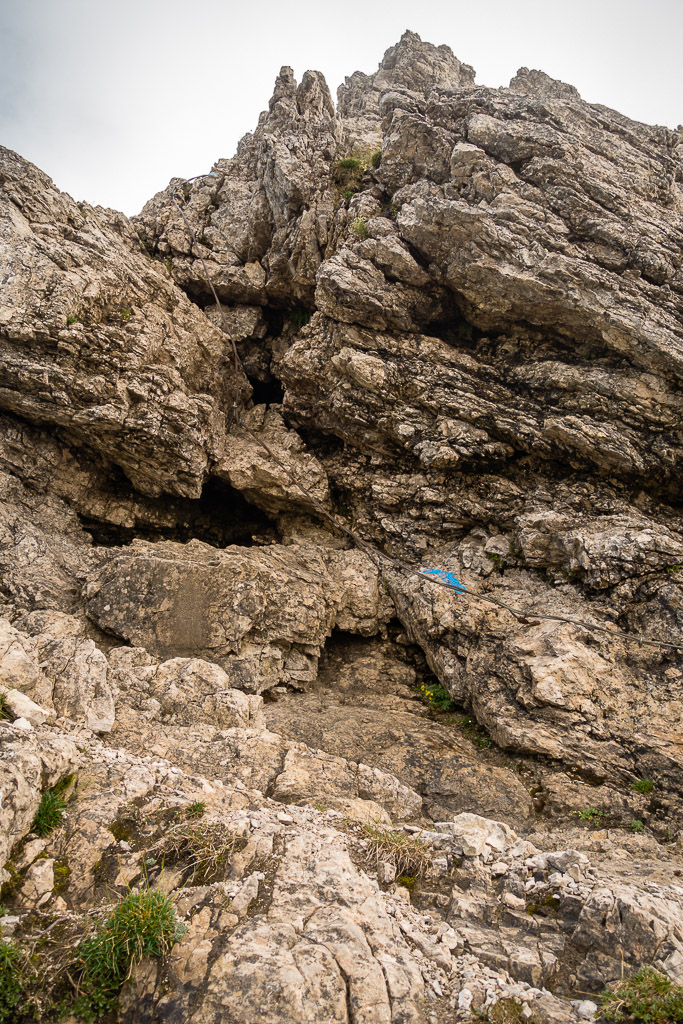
(459, 309)
(110, 356)
(28, 762)
(261, 614)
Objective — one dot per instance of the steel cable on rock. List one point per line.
(527, 617)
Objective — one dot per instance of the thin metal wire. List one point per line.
(528, 617)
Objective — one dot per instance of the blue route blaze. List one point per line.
(448, 578)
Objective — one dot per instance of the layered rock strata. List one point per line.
(458, 313)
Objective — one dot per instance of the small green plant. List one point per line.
(648, 997)
(674, 568)
(474, 732)
(195, 810)
(11, 980)
(299, 317)
(51, 809)
(505, 1011)
(143, 924)
(5, 713)
(407, 853)
(464, 331)
(146, 244)
(436, 696)
(636, 825)
(548, 906)
(592, 815)
(407, 881)
(72, 318)
(376, 158)
(643, 786)
(348, 175)
(360, 229)
(62, 873)
(498, 560)
(125, 314)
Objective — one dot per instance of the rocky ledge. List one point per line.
(357, 795)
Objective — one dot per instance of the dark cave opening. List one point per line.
(220, 517)
(269, 392)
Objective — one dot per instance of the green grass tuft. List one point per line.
(5, 713)
(142, 924)
(643, 786)
(360, 229)
(50, 812)
(646, 998)
(11, 980)
(195, 810)
(407, 853)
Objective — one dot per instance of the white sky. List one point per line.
(112, 99)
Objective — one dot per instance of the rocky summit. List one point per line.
(341, 568)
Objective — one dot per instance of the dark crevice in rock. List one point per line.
(267, 392)
(220, 517)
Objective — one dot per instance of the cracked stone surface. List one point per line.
(458, 316)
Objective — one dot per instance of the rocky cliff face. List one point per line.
(459, 319)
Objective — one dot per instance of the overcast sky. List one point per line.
(113, 99)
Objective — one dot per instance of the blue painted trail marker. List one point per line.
(448, 578)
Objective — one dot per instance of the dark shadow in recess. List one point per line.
(220, 517)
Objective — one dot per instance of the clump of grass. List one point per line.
(360, 229)
(51, 809)
(636, 825)
(407, 853)
(195, 810)
(648, 997)
(72, 318)
(493, 556)
(143, 924)
(436, 696)
(5, 713)
(348, 172)
(643, 786)
(207, 847)
(11, 980)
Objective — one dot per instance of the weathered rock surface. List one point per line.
(97, 341)
(364, 706)
(263, 614)
(458, 314)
